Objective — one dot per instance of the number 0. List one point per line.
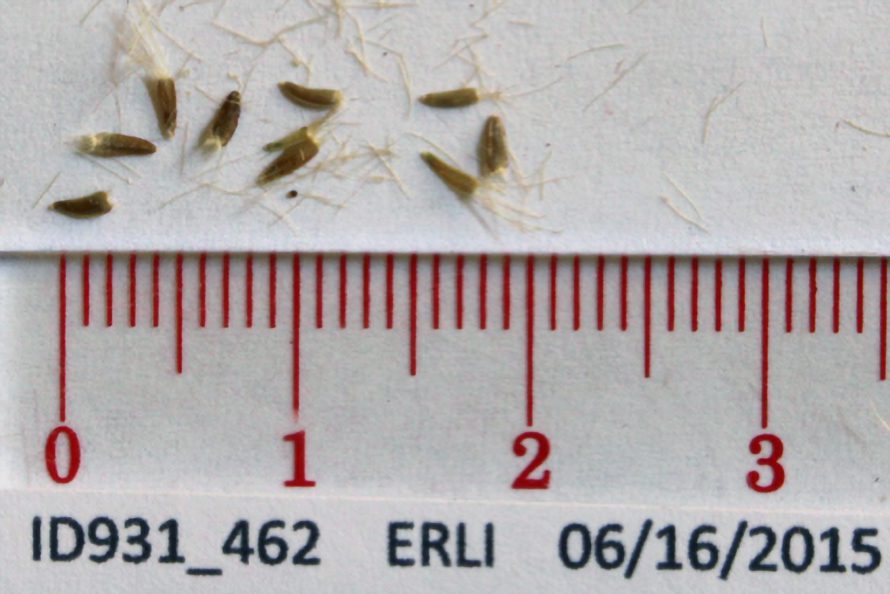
(51, 454)
(525, 480)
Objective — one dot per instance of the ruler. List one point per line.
(492, 422)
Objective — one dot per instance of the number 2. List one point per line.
(525, 479)
(771, 461)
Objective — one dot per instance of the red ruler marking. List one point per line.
(435, 289)
(109, 289)
(390, 295)
(600, 292)
(366, 291)
(530, 341)
(576, 293)
(85, 270)
(718, 295)
(319, 291)
(671, 301)
(248, 289)
(273, 290)
(155, 290)
(554, 271)
(764, 342)
(789, 295)
(132, 290)
(813, 289)
(225, 289)
(344, 291)
(742, 294)
(883, 321)
(693, 301)
(412, 365)
(296, 288)
(836, 301)
(623, 293)
(459, 293)
(860, 295)
(647, 316)
(63, 336)
(483, 291)
(506, 292)
(179, 313)
(202, 290)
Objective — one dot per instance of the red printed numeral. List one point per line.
(770, 460)
(525, 480)
(299, 480)
(51, 454)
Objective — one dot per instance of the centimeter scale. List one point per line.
(377, 422)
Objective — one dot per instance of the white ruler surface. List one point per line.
(501, 423)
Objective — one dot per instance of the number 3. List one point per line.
(771, 460)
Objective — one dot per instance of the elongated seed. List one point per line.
(112, 144)
(163, 97)
(453, 98)
(459, 182)
(288, 140)
(291, 159)
(493, 153)
(309, 97)
(85, 207)
(224, 123)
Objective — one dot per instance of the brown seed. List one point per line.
(454, 98)
(291, 159)
(286, 141)
(112, 144)
(293, 194)
(224, 123)
(311, 98)
(85, 207)
(163, 97)
(460, 182)
(494, 156)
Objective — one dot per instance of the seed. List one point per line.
(163, 97)
(494, 155)
(85, 207)
(224, 123)
(291, 159)
(286, 141)
(112, 144)
(454, 98)
(311, 98)
(459, 182)
(293, 194)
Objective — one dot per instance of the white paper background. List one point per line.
(779, 171)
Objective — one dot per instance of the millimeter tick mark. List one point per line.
(179, 313)
(109, 289)
(647, 316)
(413, 314)
(85, 282)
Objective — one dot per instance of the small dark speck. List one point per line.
(292, 194)
(547, 144)
(877, 479)
(385, 53)
(852, 188)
